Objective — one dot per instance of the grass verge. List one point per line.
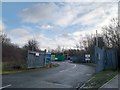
(13, 71)
(99, 79)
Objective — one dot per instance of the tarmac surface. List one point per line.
(67, 75)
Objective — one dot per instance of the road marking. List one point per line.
(5, 86)
(62, 70)
(74, 66)
(69, 69)
(86, 82)
(88, 74)
(107, 82)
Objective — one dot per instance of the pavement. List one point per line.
(67, 75)
(112, 84)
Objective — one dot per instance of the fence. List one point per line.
(36, 59)
(105, 58)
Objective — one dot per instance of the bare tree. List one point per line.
(79, 45)
(5, 39)
(111, 34)
(88, 43)
(32, 45)
(12, 55)
(58, 49)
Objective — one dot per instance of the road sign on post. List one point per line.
(87, 58)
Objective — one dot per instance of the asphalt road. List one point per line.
(67, 75)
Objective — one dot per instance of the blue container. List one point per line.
(48, 58)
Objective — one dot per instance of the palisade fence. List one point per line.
(36, 59)
(106, 58)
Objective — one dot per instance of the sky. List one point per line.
(54, 24)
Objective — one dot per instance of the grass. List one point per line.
(0, 71)
(100, 79)
(13, 71)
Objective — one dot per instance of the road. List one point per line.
(67, 75)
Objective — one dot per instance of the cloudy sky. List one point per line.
(53, 24)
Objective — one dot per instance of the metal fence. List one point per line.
(36, 59)
(105, 58)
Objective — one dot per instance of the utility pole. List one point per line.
(96, 38)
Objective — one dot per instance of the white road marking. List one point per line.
(69, 69)
(5, 86)
(86, 82)
(74, 66)
(107, 83)
(88, 74)
(62, 71)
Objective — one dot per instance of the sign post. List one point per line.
(87, 58)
